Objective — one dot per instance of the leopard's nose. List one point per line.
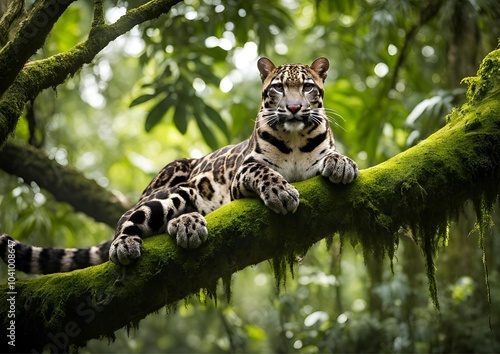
(294, 108)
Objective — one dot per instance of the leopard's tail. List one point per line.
(45, 260)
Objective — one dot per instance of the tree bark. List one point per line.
(420, 190)
(10, 13)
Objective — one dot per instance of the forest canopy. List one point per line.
(95, 97)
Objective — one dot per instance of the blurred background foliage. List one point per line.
(187, 83)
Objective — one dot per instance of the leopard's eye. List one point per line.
(308, 87)
(278, 87)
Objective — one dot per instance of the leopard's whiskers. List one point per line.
(331, 115)
(268, 116)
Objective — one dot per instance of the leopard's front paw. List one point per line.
(339, 168)
(281, 198)
(124, 249)
(190, 230)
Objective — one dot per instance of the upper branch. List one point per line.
(66, 184)
(98, 14)
(30, 37)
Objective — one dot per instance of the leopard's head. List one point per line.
(292, 94)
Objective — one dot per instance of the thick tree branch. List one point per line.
(30, 37)
(66, 184)
(53, 71)
(421, 190)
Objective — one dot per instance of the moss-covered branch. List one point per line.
(66, 184)
(29, 38)
(31, 79)
(421, 190)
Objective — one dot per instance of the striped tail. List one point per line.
(45, 260)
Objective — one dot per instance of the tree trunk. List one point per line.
(420, 190)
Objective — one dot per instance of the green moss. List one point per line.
(472, 124)
(487, 79)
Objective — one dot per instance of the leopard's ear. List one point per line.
(265, 67)
(320, 66)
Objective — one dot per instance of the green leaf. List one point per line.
(141, 99)
(216, 118)
(212, 115)
(209, 137)
(156, 114)
(180, 118)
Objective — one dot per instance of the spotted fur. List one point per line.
(292, 141)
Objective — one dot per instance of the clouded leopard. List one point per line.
(291, 141)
